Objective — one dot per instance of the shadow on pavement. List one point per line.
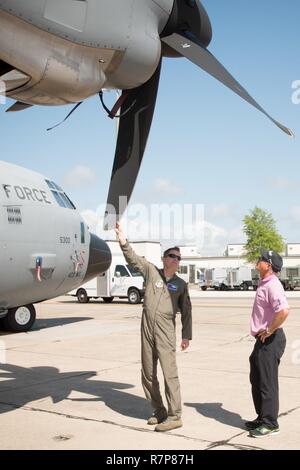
(19, 386)
(41, 324)
(216, 412)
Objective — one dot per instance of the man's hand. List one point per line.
(120, 235)
(278, 320)
(185, 344)
(264, 334)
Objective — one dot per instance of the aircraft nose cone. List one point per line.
(99, 259)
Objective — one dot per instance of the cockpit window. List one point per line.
(68, 202)
(56, 186)
(50, 184)
(60, 196)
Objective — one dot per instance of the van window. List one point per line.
(122, 270)
(133, 272)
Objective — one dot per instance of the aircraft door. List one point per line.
(120, 280)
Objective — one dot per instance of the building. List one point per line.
(193, 264)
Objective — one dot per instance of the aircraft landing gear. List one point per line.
(19, 319)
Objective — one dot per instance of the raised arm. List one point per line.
(138, 262)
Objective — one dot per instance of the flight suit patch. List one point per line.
(159, 284)
(172, 287)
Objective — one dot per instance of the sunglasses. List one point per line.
(171, 255)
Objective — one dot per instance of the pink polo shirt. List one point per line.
(269, 300)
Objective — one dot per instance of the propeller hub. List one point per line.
(187, 16)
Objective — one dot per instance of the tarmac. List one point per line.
(73, 382)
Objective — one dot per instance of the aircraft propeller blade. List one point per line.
(187, 44)
(134, 127)
(18, 106)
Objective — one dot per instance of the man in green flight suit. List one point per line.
(165, 295)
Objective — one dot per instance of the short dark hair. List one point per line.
(175, 248)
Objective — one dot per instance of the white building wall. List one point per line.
(189, 251)
(192, 262)
(236, 262)
(293, 249)
(235, 250)
(197, 263)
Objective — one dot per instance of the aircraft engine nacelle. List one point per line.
(61, 51)
(52, 70)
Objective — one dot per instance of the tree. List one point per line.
(260, 230)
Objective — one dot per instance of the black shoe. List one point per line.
(158, 416)
(263, 431)
(252, 424)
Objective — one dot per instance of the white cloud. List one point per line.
(91, 219)
(79, 177)
(215, 239)
(95, 222)
(166, 187)
(139, 223)
(220, 210)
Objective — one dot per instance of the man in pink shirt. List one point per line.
(270, 310)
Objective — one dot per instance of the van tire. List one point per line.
(19, 319)
(107, 300)
(82, 296)
(134, 297)
(203, 287)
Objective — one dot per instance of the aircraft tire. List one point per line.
(82, 296)
(19, 319)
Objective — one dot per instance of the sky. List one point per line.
(209, 153)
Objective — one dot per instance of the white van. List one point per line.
(120, 281)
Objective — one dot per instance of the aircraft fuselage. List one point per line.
(45, 246)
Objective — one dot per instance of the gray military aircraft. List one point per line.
(55, 52)
(45, 247)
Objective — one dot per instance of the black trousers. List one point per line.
(264, 362)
